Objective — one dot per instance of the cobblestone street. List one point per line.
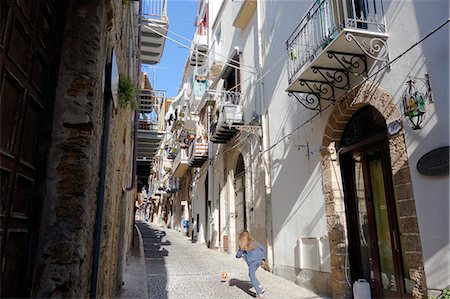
(178, 268)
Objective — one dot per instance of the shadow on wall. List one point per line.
(154, 260)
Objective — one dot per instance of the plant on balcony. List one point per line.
(191, 134)
(127, 92)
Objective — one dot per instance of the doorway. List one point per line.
(239, 189)
(373, 232)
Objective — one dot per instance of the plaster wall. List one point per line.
(248, 45)
(198, 201)
(298, 202)
(409, 22)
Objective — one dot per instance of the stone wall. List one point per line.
(64, 259)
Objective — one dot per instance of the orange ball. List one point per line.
(223, 276)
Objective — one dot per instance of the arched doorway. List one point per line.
(239, 189)
(375, 250)
(359, 145)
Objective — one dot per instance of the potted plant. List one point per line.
(191, 134)
(205, 135)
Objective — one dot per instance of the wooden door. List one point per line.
(28, 53)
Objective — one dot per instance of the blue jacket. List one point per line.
(257, 254)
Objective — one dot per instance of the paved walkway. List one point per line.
(177, 268)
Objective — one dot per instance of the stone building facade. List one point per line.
(79, 222)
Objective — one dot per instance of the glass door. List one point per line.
(374, 249)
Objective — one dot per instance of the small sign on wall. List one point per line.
(435, 162)
(394, 127)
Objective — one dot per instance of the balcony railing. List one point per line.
(229, 115)
(154, 8)
(154, 24)
(232, 97)
(151, 111)
(180, 163)
(198, 153)
(324, 21)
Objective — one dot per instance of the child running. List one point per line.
(254, 255)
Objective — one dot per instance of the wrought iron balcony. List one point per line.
(198, 153)
(154, 30)
(180, 163)
(333, 47)
(229, 116)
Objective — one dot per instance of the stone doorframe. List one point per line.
(368, 94)
(230, 158)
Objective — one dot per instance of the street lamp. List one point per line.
(414, 101)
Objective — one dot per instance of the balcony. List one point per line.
(199, 86)
(180, 163)
(229, 116)
(198, 153)
(333, 48)
(154, 30)
(199, 47)
(170, 185)
(246, 12)
(167, 164)
(150, 130)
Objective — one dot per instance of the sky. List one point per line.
(167, 74)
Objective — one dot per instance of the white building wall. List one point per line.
(408, 22)
(297, 198)
(198, 207)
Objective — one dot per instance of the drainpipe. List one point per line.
(265, 143)
(101, 184)
(211, 184)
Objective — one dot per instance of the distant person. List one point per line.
(254, 255)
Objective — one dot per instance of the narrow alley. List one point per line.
(178, 268)
(146, 143)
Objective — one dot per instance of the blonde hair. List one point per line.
(246, 242)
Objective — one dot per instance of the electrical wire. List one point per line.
(338, 100)
(213, 52)
(198, 52)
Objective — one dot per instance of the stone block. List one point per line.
(403, 192)
(406, 208)
(402, 176)
(408, 225)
